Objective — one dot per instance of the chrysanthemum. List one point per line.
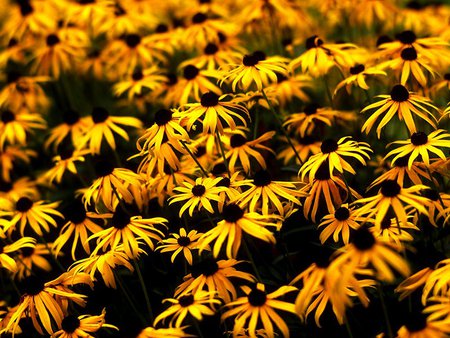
(198, 195)
(242, 150)
(212, 112)
(216, 276)
(391, 196)
(365, 249)
(64, 162)
(36, 215)
(259, 306)
(128, 229)
(403, 103)
(198, 304)
(319, 57)
(79, 224)
(103, 127)
(421, 144)
(81, 326)
(305, 122)
(31, 257)
(340, 222)
(183, 242)
(255, 68)
(6, 250)
(112, 183)
(358, 74)
(334, 153)
(266, 195)
(235, 221)
(140, 82)
(47, 302)
(14, 127)
(103, 264)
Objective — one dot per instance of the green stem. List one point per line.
(347, 326)
(128, 298)
(144, 289)
(197, 327)
(222, 152)
(252, 262)
(194, 158)
(280, 124)
(328, 91)
(385, 313)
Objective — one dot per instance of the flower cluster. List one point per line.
(265, 168)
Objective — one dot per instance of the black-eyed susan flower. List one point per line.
(73, 126)
(364, 250)
(103, 264)
(392, 197)
(36, 215)
(358, 74)
(46, 302)
(402, 103)
(421, 144)
(216, 276)
(390, 230)
(11, 156)
(305, 122)
(255, 68)
(414, 282)
(334, 153)
(236, 221)
(339, 223)
(11, 192)
(438, 205)
(319, 57)
(81, 326)
(76, 231)
(7, 250)
(14, 127)
(170, 332)
(290, 87)
(438, 282)
(213, 112)
(63, 163)
(128, 229)
(103, 127)
(33, 257)
(198, 195)
(198, 304)
(266, 195)
(88, 13)
(418, 324)
(112, 183)
(259, 306)
(241, 150)
(304, 146)
(183, 242)
(139, 82)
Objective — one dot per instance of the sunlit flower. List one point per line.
(183, 242)
(7, 250)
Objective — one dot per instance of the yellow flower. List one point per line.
(5, 250)
(140, 82)
(63, 162)
(340, 222)
(358, 74)
(183, 242)
(171, 332)
(259, 306)
(31, 257)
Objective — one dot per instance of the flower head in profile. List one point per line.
(255, 68)
(403, 104)
(170, 332)
(259, 306)
(198, 305)
(358, 75)
(139, 82)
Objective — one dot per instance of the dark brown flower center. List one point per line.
(70, 117)
(99, 114)
(52, 40)
(222, 37)
(399, 93)
(232, 213)
(385, 222)
(206, 267)
(5, 186)
(329, 146)
(190, 72)
(25, 7)
(163, 116)
(137, 75)
(406, 37)
(24, 204)
(257, 297)
(237, 140)
(13, 76)
(383, 39)
(311, 109)
(363, 239)
(199, 18)
(70, 323)
(161, 28)
(32, 285)
(171, 79)
(224, 182)
(183, 241)
(251, 60)
(342, 214)
(431, 194)
(447, 76)
(313, 42)
(76, 213)
(186, 300)
(409, 54)
(419, 138)
(357, 69)
(198, 190)
(219, 169)
(132, 40)
(211, 49)
(390, 188)
(262, 178)
(8, 116)
(27, 252)
(402, 161)
(209, 99)
(120, 219)
(66, 154)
